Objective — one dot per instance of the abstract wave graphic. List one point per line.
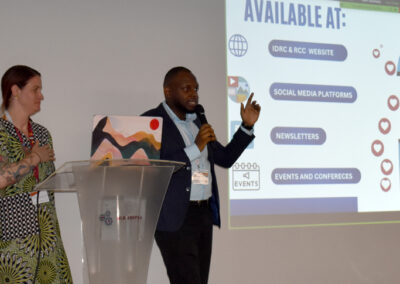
(107, 142)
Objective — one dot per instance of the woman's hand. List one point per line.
(44, 153)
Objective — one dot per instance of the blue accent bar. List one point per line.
(316, 175)
(245, 207)
(298, 135)
(316, 93)
(307, 50)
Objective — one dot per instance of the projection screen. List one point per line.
(326, 75)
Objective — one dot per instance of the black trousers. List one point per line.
(187, 252)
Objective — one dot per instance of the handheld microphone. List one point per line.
(199, 110)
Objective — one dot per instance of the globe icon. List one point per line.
(238, 45)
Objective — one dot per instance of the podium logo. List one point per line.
(106, 218)
(130, 217)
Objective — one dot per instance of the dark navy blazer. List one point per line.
(178, 194)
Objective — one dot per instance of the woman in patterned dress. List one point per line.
(31, 249)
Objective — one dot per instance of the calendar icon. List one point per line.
(246, 176)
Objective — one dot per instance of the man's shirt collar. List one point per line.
(189, 116)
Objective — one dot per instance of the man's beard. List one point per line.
(184, 109)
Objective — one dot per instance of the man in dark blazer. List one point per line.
(191, 204)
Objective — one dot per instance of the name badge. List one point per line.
(200, 177)
(43, 197)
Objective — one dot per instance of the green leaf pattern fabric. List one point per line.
(18, 258)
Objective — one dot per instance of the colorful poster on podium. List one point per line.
(126, 137)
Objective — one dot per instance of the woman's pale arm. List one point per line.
(12, 173)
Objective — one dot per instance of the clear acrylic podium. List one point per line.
(120, 202)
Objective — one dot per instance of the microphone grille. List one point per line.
(199, 109)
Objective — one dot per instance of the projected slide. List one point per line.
(327, 76)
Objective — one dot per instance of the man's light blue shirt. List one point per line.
(199, 160)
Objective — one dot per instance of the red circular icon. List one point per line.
(377, 148)
(386, 184)
(384, 126)
(376, 53)
(387, 167)
(390, 67)
(393, 102)
(154, 124)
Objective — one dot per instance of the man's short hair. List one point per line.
(172, 73)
